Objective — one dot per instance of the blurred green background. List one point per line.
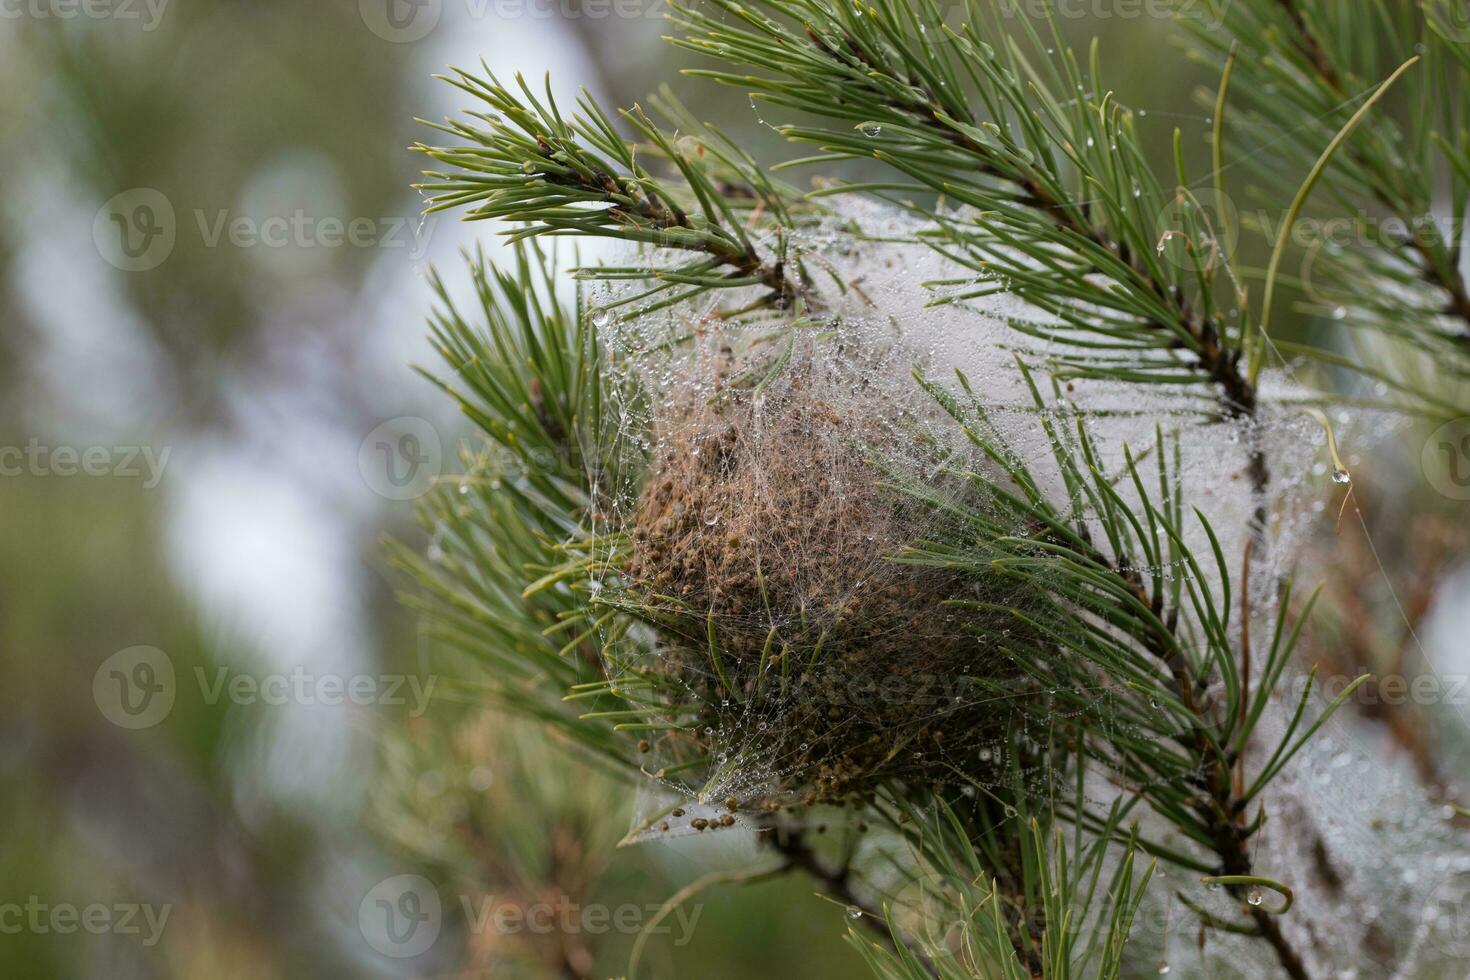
(251, 335)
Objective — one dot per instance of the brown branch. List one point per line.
(652, 211)
(1222, 807)
(836, 882)
(1220, 364)
(1310, 46)
(1230, 845)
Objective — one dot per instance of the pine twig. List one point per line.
(1442, 276)
(574, 175)
(837, 882)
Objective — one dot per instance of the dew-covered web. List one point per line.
(760, 541)
(757, 538)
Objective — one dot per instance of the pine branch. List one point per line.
(1146, 681)
(1006, 892)
(1168, 644)
(897, 78)
(1065, 204)
(1434, 267)
(1310, 46)
(1303, 71)
(576, 176)
(527, 372)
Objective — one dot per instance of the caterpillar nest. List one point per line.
(768, 548)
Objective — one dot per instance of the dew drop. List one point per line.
(1341, 475)
(1254, 896)
(1163, 967)
(601, 317)
(853, 912)
(711, 516)
(872, 129)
